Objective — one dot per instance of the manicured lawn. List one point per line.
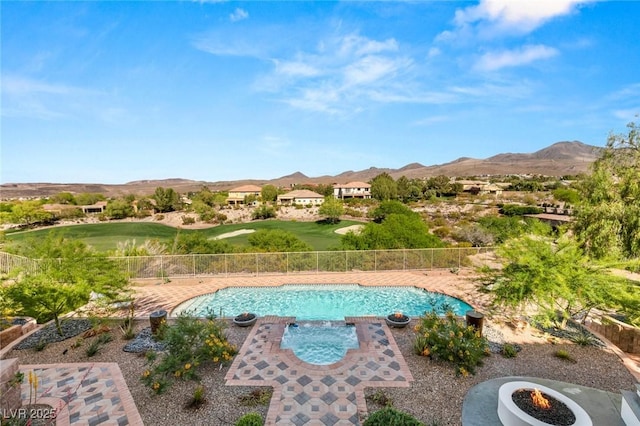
(106, 236)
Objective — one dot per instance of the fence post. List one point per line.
(459, 258)
(404, 259)
(317, 261)
(256, 264)
(287, 262)
(432, 259)
(346, 261)
(226, 266)
(375, 261)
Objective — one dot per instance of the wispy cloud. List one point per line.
(434, 119)
(525, 55)
(238, 15)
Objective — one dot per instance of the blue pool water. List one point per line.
(320, 344)
(321, 302)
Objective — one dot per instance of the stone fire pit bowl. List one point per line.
(480, 406)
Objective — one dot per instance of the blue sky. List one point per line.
(111, 92)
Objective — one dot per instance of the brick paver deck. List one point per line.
(83, 394)
(326, 395)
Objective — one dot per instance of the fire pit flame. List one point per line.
(539, 400)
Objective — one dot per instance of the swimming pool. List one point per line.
(321, 301)
(319, 344)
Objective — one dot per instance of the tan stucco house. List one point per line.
(301, 196)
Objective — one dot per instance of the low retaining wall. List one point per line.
(624, 336)
(10, 390)
(15, 331)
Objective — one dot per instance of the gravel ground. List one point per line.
(436, 395)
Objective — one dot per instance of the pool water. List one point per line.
(321, 302)
(319, 344)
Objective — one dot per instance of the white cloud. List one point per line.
(516, 16)
(238, 15)
(512, 58)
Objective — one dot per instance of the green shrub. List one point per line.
(189, 342)
(391, 417)
(565, 355)
(263, 212)
(509, 351)
(250, 419)
(198, 398)
(93, 348)
(188, 220)
(448, 338)
(353, 212)
(517, 210)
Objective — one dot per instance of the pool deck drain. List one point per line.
(324, 395)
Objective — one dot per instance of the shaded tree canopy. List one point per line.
(383, 187)
(331, 209)
(608, 217)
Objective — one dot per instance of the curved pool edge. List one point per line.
(226, 315)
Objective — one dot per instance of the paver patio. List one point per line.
(83, 393)
(327, 395)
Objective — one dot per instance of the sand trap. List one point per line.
(354, 228)
(234, 233)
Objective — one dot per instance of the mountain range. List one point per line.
(561, 158)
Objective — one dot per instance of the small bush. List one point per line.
(381, 398)
(159, 217)
(584, 339)
(263, 212)
(198, 398)
(353, 212)
(93, 348)
(250, 419)
(41, 345)
(105, 338)
(449, 339)
(509, 350)
(260, 396)
(391, 417)
(564, 354)
(188, 220)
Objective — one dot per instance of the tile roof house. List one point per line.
(352, 190)
(301, 196)
(237, 195)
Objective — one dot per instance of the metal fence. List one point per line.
(11, 261)
(195, 265)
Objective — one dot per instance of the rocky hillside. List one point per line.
(562, 158)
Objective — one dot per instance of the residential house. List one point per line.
(352, 190)
(480, 187)
(301, 196)
(237, 195)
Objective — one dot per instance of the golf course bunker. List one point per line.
(234, 233)
(354, 228)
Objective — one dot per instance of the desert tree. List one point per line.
(556, 278)
(68, 271)
(608, 217)
(269, 193)
(383, 187)
(331, 209)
